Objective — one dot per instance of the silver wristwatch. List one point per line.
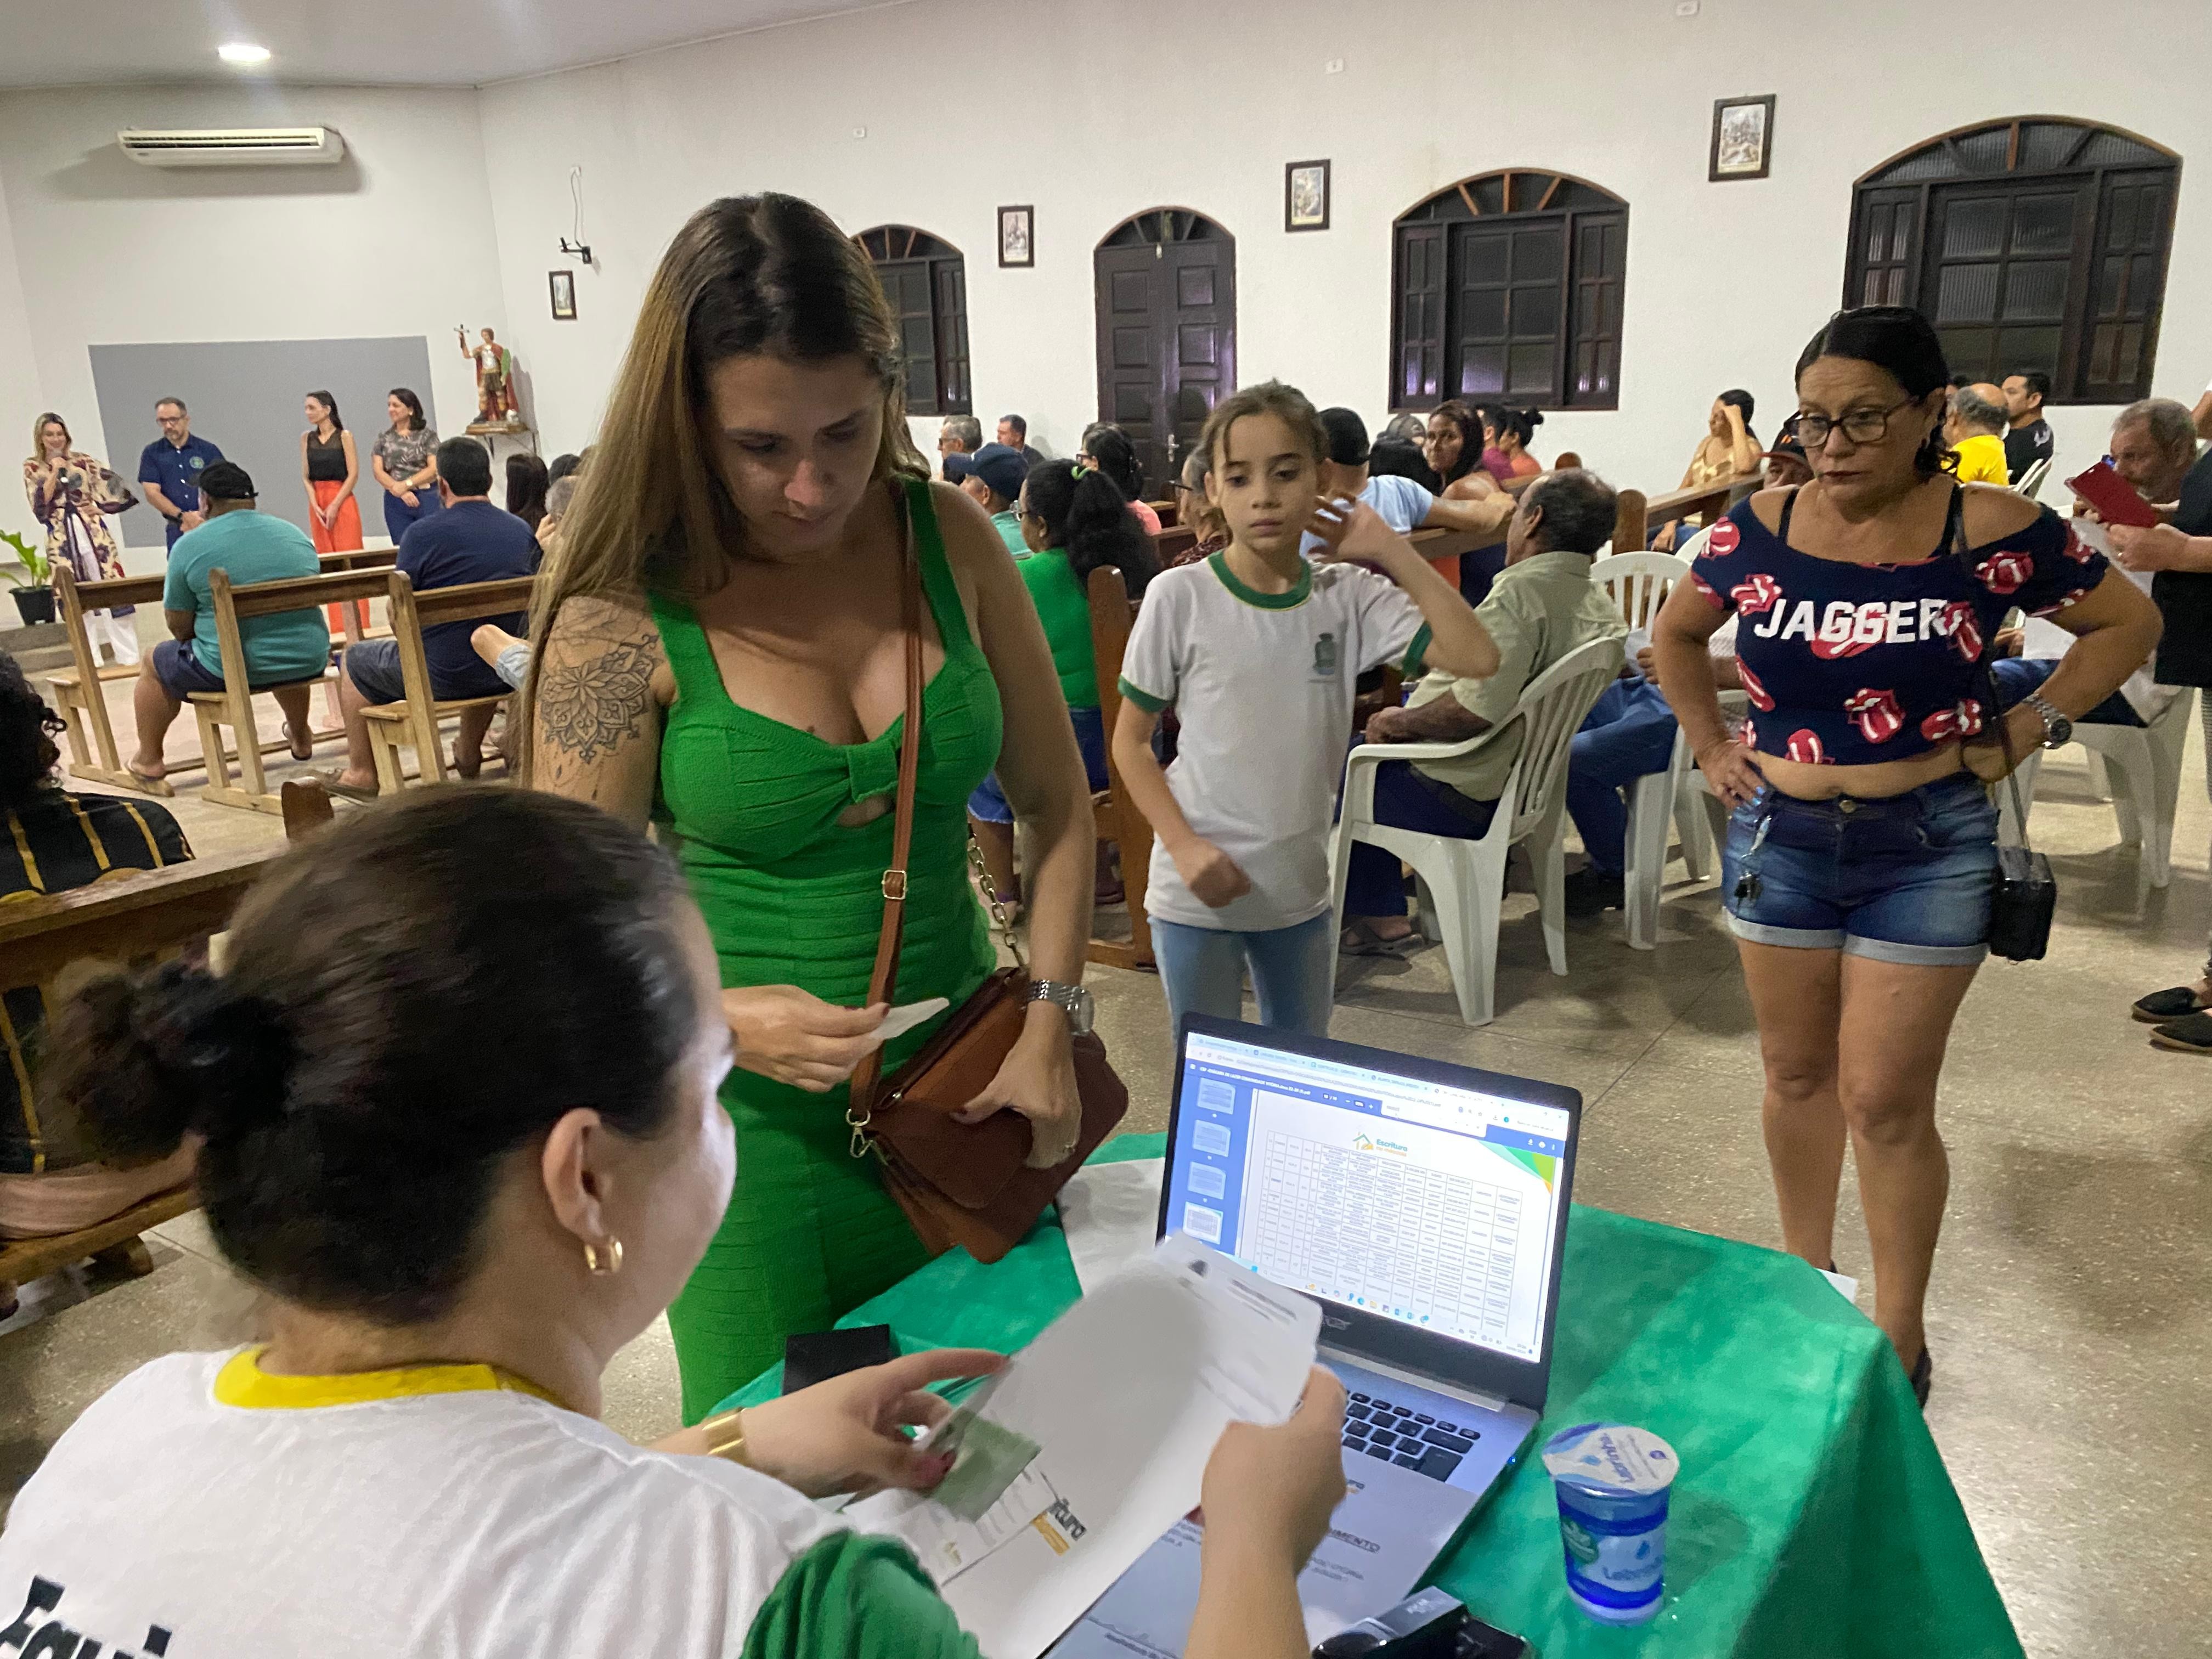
(2057, 730)
(1073, 1000)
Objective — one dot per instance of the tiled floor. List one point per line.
(2071, 1312)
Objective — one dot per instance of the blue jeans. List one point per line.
(1904, 879)
(397, 515)
(1293, 973)
(1629, 734)
(2018, 676)
(1374, 884)
(1478, 569)
(988, 804)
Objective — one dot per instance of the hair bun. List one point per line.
(230, 1055)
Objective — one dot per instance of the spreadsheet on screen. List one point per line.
(1424, 1202)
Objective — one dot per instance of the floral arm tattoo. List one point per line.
(594, 693)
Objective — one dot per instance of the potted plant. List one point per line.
(34, 596)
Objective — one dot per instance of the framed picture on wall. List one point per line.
(563, 286)
(1017, 236)
(1305, 196)
(1743, 132)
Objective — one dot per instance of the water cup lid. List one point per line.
(1611, 1457)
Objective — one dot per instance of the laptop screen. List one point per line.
(1435, 1206)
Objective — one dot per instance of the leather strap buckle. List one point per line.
(895, 885)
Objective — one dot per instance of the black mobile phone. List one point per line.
(1430, 1624)
(814, 1356)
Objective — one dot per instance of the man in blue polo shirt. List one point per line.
(469, 541)
(169, 468)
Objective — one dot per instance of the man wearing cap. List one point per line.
(288, 652)
(993, 476)
(1403, 504)
(169, 469)
(1786, 465)
(1014, 432)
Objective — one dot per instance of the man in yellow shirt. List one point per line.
(1973, 429)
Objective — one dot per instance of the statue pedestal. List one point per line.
(492, 431)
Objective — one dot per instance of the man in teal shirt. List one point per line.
(993, 476)
(284, 653)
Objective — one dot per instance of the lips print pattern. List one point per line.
(1723, 538)
(1706, 589)
(1877, 715)
(1964, 628)
(1757, 596)
(1758, 693)
(2077, 549)
(1805, 749)
(1962, 721)
(2005, 572)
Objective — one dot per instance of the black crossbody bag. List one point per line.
(2023, 893)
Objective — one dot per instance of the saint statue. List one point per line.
(495, 405)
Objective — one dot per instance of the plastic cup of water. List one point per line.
(1612, 1482)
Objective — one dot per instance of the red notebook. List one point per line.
(2113, 496)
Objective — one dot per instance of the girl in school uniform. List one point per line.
(1257, 649)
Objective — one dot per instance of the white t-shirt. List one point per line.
(1262, 685)
(1398, 502)
(245, 1513)
(2044, 640)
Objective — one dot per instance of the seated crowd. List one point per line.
(736, 652)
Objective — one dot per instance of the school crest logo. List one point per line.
(1326, 657)
(197, 462)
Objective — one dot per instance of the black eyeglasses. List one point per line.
(1861, 426)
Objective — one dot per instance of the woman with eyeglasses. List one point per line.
(1862, 845)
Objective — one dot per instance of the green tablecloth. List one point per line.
(1813, 1515)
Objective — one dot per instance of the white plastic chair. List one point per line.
(1639, 584)
(2032, 480)
(1463, 878)
(2145, 763)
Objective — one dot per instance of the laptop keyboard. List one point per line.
(1412, 1440)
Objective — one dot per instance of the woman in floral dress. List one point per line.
(71, 493)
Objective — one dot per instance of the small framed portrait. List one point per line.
(1017, 236)
(563, 286)
(1743, 136)
(1305, 196)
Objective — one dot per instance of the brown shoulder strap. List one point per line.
(882, 984)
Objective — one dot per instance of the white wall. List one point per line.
(19, 375)
(395, 240)
(1725, 281)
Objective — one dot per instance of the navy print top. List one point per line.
(1846, 665)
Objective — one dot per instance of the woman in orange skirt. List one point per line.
(330, 469)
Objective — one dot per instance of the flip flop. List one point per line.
(152, 786)
(2161, 1006)
(331, 781)
(1361, 940)
(2192, 1036)
(292, 742)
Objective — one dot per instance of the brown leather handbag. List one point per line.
(965, 1184)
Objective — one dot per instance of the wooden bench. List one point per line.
(1637, 512)
(413, 722)
(89, 734)
(233, 705)
(136, 918)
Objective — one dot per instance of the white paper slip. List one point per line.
(1125, 1394)
(1846, 1287)
(905, 1017)
(1110, 1213)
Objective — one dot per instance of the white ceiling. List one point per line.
(358, 42)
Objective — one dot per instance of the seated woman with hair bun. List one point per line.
(1107, 448)
(456, 1094)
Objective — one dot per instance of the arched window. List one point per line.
(926, 282)
(1508, 286)
(2033, 243)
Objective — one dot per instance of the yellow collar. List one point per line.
(242, 1383)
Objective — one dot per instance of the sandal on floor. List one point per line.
(2191, 1036)
(152, 786)
(292, 743)
(2168, 1004)
(331, 781)
(1924, 1376)
(1360, 939)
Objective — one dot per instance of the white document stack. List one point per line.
(1125, 1394)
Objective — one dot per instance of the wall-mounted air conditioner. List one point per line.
(232, 146)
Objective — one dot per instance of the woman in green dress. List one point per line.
(722, 651)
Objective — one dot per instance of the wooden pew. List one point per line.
(413, 722)
(233, 705)
(1119, 820)
(1174, 539)
(1637, 514)
(90, 734)
(136, 918)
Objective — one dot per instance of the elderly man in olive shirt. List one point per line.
(1543, 606)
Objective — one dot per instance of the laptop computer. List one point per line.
(1424, 1206)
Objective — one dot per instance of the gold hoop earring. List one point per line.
(604, 1265)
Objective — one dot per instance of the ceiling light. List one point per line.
(242, 51)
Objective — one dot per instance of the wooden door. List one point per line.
(1167, 333)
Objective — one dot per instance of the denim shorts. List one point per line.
(988, 804)
(1903, 879)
